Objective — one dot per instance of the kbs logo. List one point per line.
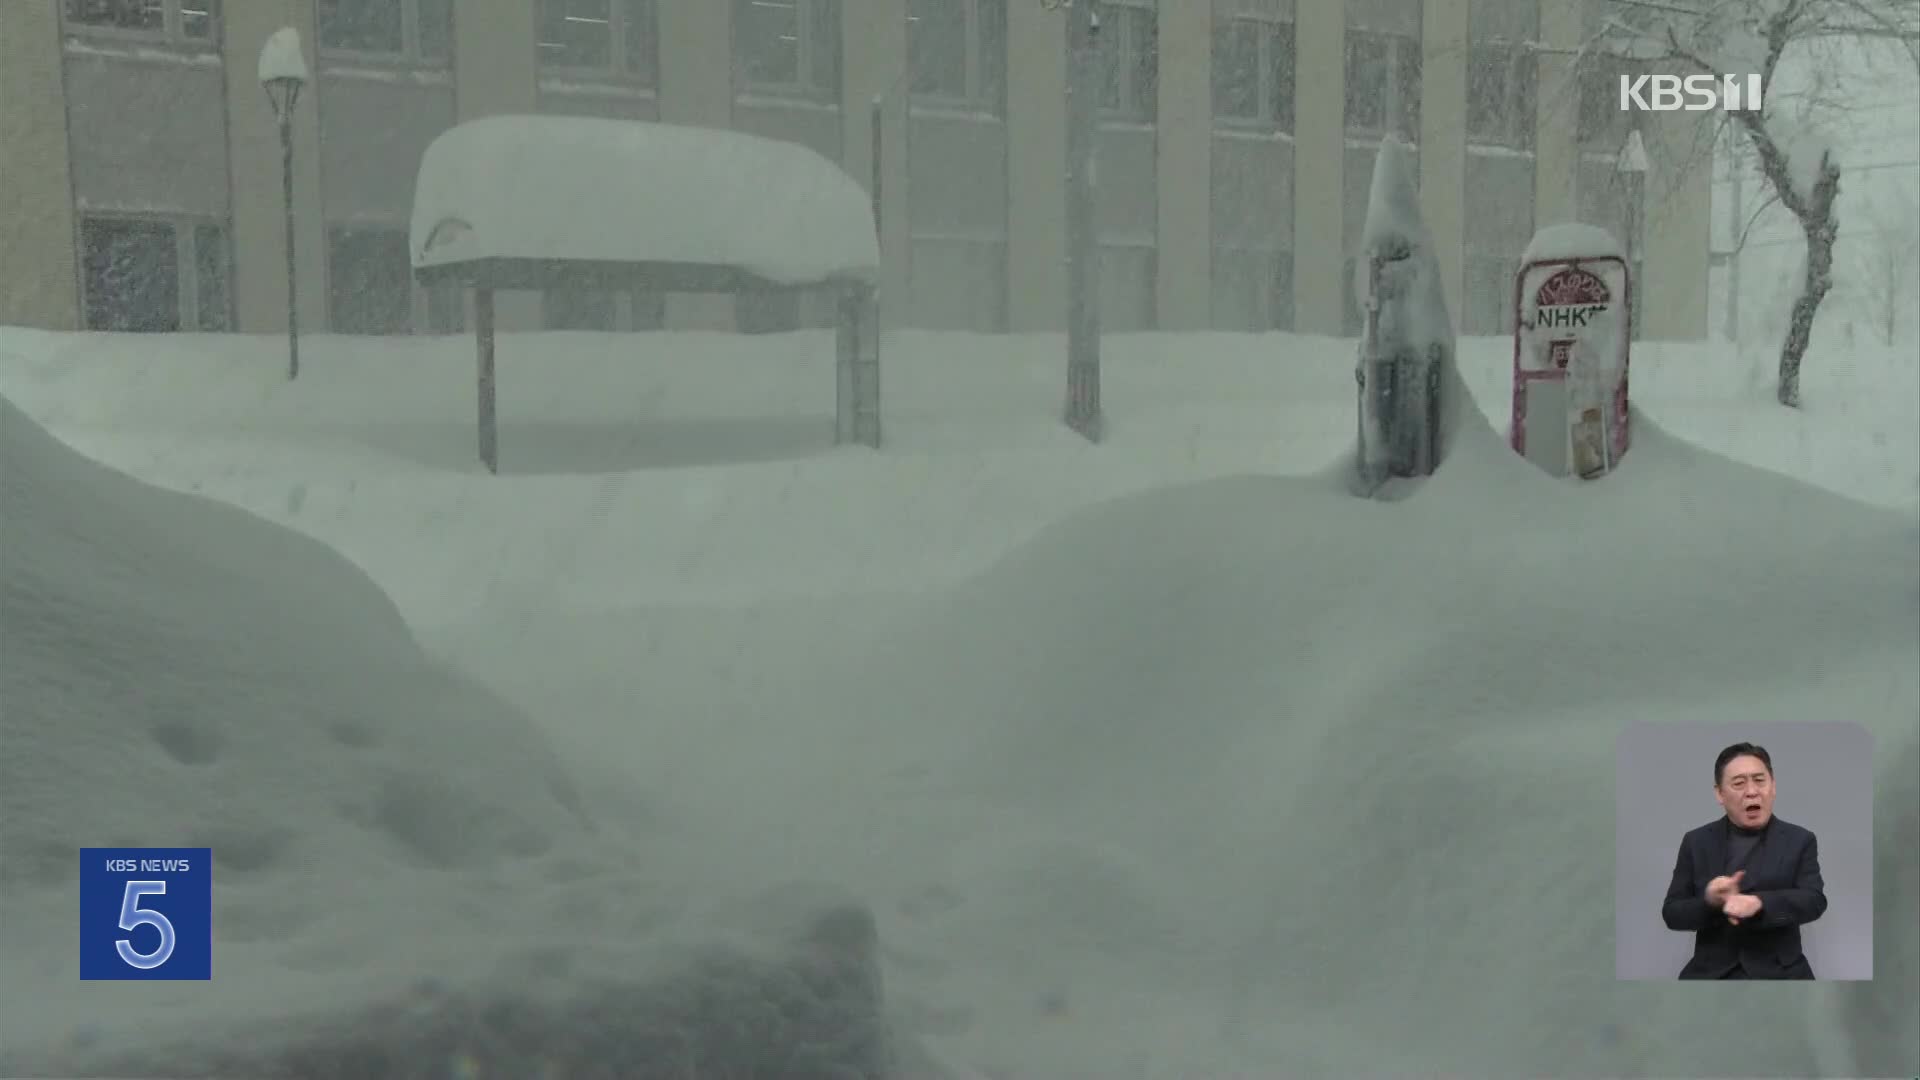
(146, 913)
(1694, 93)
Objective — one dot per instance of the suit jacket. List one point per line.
(1783, 870)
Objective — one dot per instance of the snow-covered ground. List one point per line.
(1161, 758)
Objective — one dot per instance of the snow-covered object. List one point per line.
(1406, 426)
(1809, 155)
(281, 58)
(569, 187)
(1570, 408)
(1571, 240)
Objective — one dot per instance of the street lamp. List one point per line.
(283, 71)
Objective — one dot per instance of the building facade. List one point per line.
(140, 162)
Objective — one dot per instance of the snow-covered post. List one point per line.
(1083, 412)
(1408, 389)
(283, 71)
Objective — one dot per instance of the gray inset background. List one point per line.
(1663, 785)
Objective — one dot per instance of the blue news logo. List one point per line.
(146, 913)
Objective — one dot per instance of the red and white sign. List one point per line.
(1570, 407)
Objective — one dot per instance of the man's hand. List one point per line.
(1720, 888)
(1741, 906)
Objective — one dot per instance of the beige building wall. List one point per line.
(875, 69)
(1320, 139)
(39, 281)
(1443, 144)
(696, 87)
(254, 165)
(1184, 166)
(1036, 168)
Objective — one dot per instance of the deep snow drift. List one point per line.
(403, 873)
(1213, 776)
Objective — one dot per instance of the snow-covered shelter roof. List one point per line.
(531, 196)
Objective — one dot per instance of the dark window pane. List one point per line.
(446, 309)
(200, 19)
(576, 33)
(1144, 99)
(642, 40)
(579, 309)
(1407, 82)
(214, 309)
(1366, 80)
(119, 14)
(823, 45)
(362, 25)
(436, 29)
(1280, 57)
(1107, 51)
(1524, 94)
(1236, 69)
(132, 275)
(369, 281)
(767, 41)
(1487, 101)
(993, 52)
(937, 44)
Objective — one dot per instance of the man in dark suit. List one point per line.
(1745, 883)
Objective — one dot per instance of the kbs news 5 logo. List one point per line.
(146, 913)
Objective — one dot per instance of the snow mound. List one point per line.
(402, 872)
(569, 187)
(1339, 770)
(1571, 240)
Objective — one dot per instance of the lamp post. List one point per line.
(1632, 164)
(283, 71)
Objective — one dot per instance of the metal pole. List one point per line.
(286, 179)
(1083, 292)
(1733, 253)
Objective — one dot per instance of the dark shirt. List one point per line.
(1740, 844)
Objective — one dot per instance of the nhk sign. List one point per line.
(1693, 93)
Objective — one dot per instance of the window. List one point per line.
(1128, 44)
(369, 281)
(1253, 72)
(1500, 95)
(1252, 289)
(189, 20)
(788, 46)
(446, 308)
(1383, 84)
(958, 50)
(1487, 307)
(413, 29)
(602, 36)
(1602, 121)
(148, 275)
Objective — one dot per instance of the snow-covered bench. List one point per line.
(532, 202)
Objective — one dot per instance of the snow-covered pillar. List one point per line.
(1443, 144)
(875, 47)
(696, 88)
(254, 161)
(1320, 139)
(1036, 180)
(1677, 222)
(1183, 159)
(1556, 154)
(495, 73)
(39, 278)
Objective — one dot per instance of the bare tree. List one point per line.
(1789, 136)
(1887, 260)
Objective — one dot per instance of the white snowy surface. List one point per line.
(1571, 240)
(1809, 154)
(281, 58)
(1153, 759)
(572, 187)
